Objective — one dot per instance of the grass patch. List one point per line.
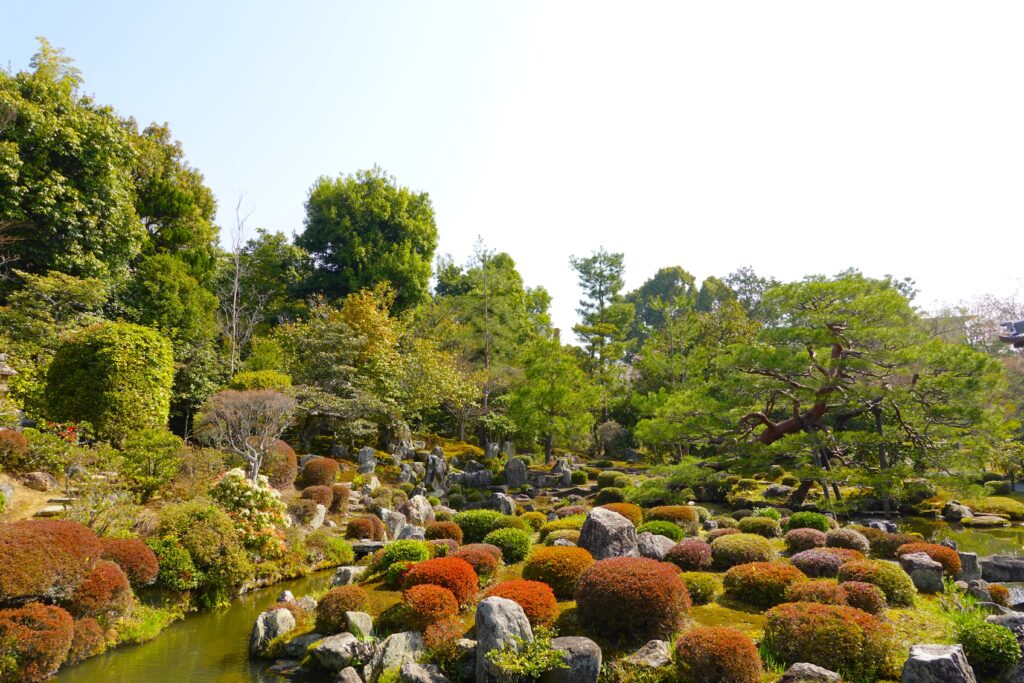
(143, 623)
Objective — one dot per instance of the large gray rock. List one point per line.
(269, 625)
(394, 521)
(411, 672)
(564, 472)
(608, 534)
(583, 657)
(498, 623)
(348, 675)
(396, 650)
(970, 570)
(296, 647)
(954, 511)
(653, 546)
(337, 652)
(359, 624)
(435, 474)
(40, 481)
(412, 533)
(809, 673)
(347, 575)
(317, 520)
(515, 473)
(656, 653)
(502, 503)
(925, 572)
(418, 511)
(367, 460)
(1002, 569)
(937, 664)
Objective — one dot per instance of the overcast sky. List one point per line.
(794, 137)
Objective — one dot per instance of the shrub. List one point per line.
(45, 559)
(302, 511)
(406, 550)
(436, 530)
(770, 513)
(579, 477)
(821, 591)
(534, 520)
(367, 526)
(718, 533)
(613, 479)
(281, 465)
(514, 544)
(729, 551)
(34, 641)
(492, 550)
(427, 604)
(843, 639)
(115, 376)
(442, 547)
(476, 524)
(947, 557)
(762, 526)
(255, 509)
(323, 547)
(895, 583)
(717, 653)
(253, 380)
(884, 547)
(628, 510)
(104, 591)
(394, 576)
(441, 641)
(339, 501)
(798, 540)
(1000, 594)
(609, 495)
(702, 586)
(558, 567)
(680, 514)
(135, 559)
(13, 451)
(322, 495)
(631, 598)
(178, 572)
(320, 472)
(485, 564)
(847, 538)
(726, 522)
(535, 597)
(690, 554)
(762, 584)
(452, 573)
(661, 528)
(330, 611)
(571, 510)
(573, 523)
(864, 596)
(808, 520)
(823, 562)
(87, 640)
(570, 535)
(991, 649)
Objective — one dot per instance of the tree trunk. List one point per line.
(549, 448)
(800, 494)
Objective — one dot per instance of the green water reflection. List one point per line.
(209, 647)
(1004, 541)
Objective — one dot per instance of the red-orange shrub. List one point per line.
(680, 514)
(486, 547)
(320, 472)
(438, 530)
(483, 562)
(452, 573)
(947, 557)
(570, 510)
(864, 596)
(631, 598)
(88, 640)
(821, 591)
(281, 465)
(761, 583)
(719, 653)
(367, 526)
(135, 559)
(884, 547)
(718, 533)
(330, 611)
(824, 562)
(37, 638)
(558, 566)
(536, 598)
(628, 510)
(45, 559)
(341, 493)
(13, 450)
(427, 604)
(1000, 594)
(441, 639)
(322, 495)
(104, 591)
(690, 555)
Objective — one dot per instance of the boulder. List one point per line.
(502, 503)
(435, 473)
(418, 511)
(809, 673)
(359, 624)
(882, 525)
(411, 672)
(954, 511)
(924, 571)
(337, 652)
(296, 647)
(653, 546)
(778, 491)
(367, 460)
(7, 492)
(564, 542)
(583, 657)
(348, 675)
(515, 473)
(396, 650)
(563, 471)
(498, 623)
(318, 517)
(394, 521)
(407, 475)
(656, 653)
(491, 450)
(979, 593)
(39, 481)
(473, 480)
(307, 603)
(1002, 568)
(937, 664)
(345, 576)
(269, 625)
(412, 533)
(608, 534)
(970, 570)
(286, 596)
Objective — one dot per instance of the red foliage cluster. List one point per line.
(864, 596)
(330, 611)
(717, 653)
(1000, 594)
(884, 546)
(13, 449)
(947, 557)
(536, 598)
(322, 495)
(558, 566)
(135, 559)
(763, 584)
(367, 526)
(441, 639)
(45, 558)
(88, 640)
(821, 591)
(37, 637)
(488, 548)
(690, 555)
(632, 598)
(824, 562)
(570, 510)
(718, 533)
(452, 573)
(104, 591)
(483, 562)
(628, 510)
(341, 492)
(427, 604)
(320, 472)
(437, 530)
(680, 514)
(281, 465)
(798, 540)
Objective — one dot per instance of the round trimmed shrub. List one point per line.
(690, 554)
(573, 523)
(136, 559)
(726, 522)
(406, 550)
(13, 451)
(45, 558)
(678, 514)
(895, 583)
(485, 564)
(823, 562)
(662, 528)
(320, 472)
(762, 584)
(742, 513)
(87, 640)
(571, 511)
(842, 639)
(947, 557)
(105, 590)
(821, 591)
(322, 495)
(341, 494)
(617, 480)
(631, 598)
(559, 567)
(729, 551)
(717, 653)
(864, 596)
(798, 540)
(884, 547)
(428, 604)
(771, 513)
(514, 544)
(570, 535)
(489, 548)
(1000, 594)
(535, 597)
(808, 520)
(534, 520)
(609, 495)
(452, 573)
(718, 533)
(476, 524)
(330, 611)
(762, 526)
(442, 547)
(36, 638)
(702, 586)
(281, 465)
(437, 530)
(991, 649)
(367, 526)
(628, 510)
(847, 538)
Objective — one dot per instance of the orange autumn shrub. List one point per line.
(281, 465)
(88, 640)
(690, 555)
(947, 557)
(762, 584)
(628, 510)
(427, 604)
(821, 591)
(864, 596)
(680, 514)
(104, 591)
(36, 638)
(320, 472)
(439, 530)
(452, 573)
(719, 653)
(136, 559)
(483, 562)
(339, 501)
(45, 558)
(367, 526)
(330, 611)
(1000, 594)
(536, 598)
(558, 566)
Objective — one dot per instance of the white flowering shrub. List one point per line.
(256, 509)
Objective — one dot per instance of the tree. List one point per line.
(246, 423)
(151, 458)
(364, 229)
(671, 291)
(163, 295)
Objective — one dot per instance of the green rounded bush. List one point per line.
(579, 477)
(703, 586)
(895, 583)
(476, 524)
(762, 526)
(660, 528)
(572, 523)
(254, 380)
(991, 649)
(614, 480)
(729, 551)
(514, 544)
(771, 513)
(401, 551)
(534, 520)
(609, 495)
(808, 520)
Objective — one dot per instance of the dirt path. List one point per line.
(26, 502)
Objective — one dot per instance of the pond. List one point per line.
(1002, 541)
(207, 647)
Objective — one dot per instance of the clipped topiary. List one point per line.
(34, 641)
(105, 591)
(88, 640)
(367, 526)
(485, 564)
(320, 472)
(535, 597)
(322, 495)
(729, 551)
(135, 558)
(514, 544)
(718, 533)
(330, 611)
(437, 530)
(762, 584)
(476, 524)
(947, 557)
(281, 465)
(864, 596)
(821, 591)
(762, 526)
(452, 573)
(808, 520)
(991, 649)
(702, 586)
(679, 514)
(849, 539)
(717, 653)
(895, 583)
(558, 567)
(823, 562)
(339, 501)
(690, 554)
(406, 550)
(534, 520)
(884, 547)
(798, 540)
(662, 528)
(428, 604)
(573, 523)
(45, 559)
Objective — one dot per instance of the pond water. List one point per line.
(207, 647)
(1002, 541)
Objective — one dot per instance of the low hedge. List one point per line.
(805, 538)
(821, 591)
(330, 610)
(452, 573)
(438, 530)
(427, 604)
(824, 562)
(864, 596)
(514, 544)
(849, 539)
(808, 520)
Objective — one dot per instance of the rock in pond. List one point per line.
(345, 576)
(1002, 568)
(269, 625)
(337, 652)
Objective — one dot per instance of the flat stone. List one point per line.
(1002, 569)
(809, 673)
(937, 664)
(656, 653)
(337, 652)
